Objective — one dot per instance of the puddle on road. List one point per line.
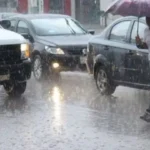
(119, 113)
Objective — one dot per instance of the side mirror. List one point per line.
(28, 37)
(6, 24)
(91, 32)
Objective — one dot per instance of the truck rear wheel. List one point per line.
(15, 89)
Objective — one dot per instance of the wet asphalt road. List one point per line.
(71, 115)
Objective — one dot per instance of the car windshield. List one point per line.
(57, 26)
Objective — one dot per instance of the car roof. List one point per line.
(130, 18)
(36, 16)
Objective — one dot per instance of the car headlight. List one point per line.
(54, 50)
(25, 51)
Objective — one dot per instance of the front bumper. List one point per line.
(66, 62)
(17, 72)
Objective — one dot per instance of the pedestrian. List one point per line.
(145, 44)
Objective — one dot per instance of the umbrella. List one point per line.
(137, 8)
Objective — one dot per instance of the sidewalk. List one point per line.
(96, 27)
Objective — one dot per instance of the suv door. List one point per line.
(137, 63)
(118, 48)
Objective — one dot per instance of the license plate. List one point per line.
(4, 77)
(83, 60)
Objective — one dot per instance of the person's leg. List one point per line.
(146, 116)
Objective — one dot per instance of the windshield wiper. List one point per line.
(70, 26)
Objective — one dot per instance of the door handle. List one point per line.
(106, 48)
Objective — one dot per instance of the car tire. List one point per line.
(38, 71)
(15, 89)
(103, 82)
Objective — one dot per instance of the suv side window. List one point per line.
(22, 27)
(13, 25)
(141, 29)
(119, 31)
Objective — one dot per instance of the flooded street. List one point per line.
(71, 115)
(45, 37)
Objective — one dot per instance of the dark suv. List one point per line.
(15, 64)
(114, 58)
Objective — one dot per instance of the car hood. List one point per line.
(70, 40)
(8, 37)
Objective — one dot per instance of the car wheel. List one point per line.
(15, 89)
(103, 82)
(37, 68)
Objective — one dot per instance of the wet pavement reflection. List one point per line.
(71, 114)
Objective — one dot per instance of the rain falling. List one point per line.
(74, 74)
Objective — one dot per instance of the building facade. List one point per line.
(36, 6)
(49, 6)
(85, 11)
(109, 18)
(8, 5)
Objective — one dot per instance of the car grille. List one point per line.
(75, 50)
(9, 54)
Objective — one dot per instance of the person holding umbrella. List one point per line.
(138, 8)
(145, 44)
